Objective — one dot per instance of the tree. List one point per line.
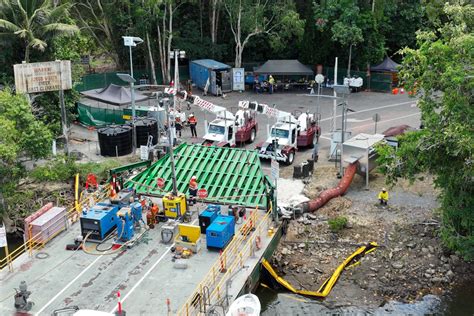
(22, 137)
(35, 22)
(440, 73)
(248, 18)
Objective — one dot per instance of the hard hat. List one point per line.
(193, 178)
(383, 189)
(191, 115)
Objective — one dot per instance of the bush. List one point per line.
(337, 224)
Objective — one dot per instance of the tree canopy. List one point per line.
(440, 72)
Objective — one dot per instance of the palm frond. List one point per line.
(8, 26)
(60, 29)
(38, 44)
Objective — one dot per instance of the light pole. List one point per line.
(345, 109)
(176, 54)
(131, 41)
(131, 81)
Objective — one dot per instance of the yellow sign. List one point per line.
(42, 77)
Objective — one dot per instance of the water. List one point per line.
(458, 302)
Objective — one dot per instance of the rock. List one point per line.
(436, 280)
(302, 245)
(454, 259)
(431, 249)
(397, 249)
(311, 216)
(422, 235)
(411, 245)
(426, 275)
(430, 271)
(450, 274)
(431, 265)
(398, 265)
(307, 222)
(444, 259)
(285, 263)
(425, 250)
(374, 269)
(285, 251)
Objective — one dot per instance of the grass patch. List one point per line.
(337, 224)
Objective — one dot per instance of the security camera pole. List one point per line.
(132, 41)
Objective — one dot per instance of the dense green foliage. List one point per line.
(440, 71)
(23, 137)
(314, 32)
(64, 169)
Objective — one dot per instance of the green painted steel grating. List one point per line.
(230, 175)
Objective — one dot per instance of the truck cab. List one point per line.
(220, 132)
(283, 136)
(247, 126)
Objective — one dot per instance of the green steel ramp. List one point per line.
(230, 175)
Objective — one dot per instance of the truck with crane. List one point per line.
(287, 134)
(227, 129)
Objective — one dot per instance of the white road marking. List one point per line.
(324, 137)
(68, 285)
(394, 119)
(147, 273)
(354, 120)
(368, 110)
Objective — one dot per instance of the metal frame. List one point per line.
(230, 175)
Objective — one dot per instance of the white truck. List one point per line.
(227, 129)
(287, 134)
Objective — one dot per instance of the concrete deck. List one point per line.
(144, 274)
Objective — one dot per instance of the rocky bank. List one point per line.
(409, 263)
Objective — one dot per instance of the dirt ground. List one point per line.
(409, 262)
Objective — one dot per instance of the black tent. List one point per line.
(387, 65)
(284, 67)
(113, 94)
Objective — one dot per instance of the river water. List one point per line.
(458, 303)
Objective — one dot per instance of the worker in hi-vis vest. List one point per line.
(193, 188)
(383, 197)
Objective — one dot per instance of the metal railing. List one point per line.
(212, 290)
(36, 242)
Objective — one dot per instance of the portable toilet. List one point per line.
(220, 232)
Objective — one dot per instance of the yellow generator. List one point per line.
(174, 206)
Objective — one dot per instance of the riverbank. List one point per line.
(409, 263)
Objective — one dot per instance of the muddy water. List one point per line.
(458, 302)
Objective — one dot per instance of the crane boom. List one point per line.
(268, 111)
(220, 111)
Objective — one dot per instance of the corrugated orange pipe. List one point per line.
(328, 194)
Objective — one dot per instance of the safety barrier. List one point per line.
(34, 243)
(212, 290)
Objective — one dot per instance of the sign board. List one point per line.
(238, 79)
(143, 152)
(160, 182)
(319, 78)
(42, 77)
(202, 193)
(275, 167)
(3, 236)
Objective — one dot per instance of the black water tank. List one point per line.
(146, 127)
(310, 165)
(115, 140)
(305, 169)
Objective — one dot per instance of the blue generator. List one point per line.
(220, 232)
(136, 212)
(100, 221)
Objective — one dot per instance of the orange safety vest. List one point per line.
(193, 185)
(192, 120)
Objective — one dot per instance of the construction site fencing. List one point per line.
(102, 80)
(36, 242)
(212, 291)
(378, 81)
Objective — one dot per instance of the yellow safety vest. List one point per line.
(383, 195)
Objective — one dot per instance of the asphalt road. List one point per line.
(393, 110)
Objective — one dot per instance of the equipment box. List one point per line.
(100, 221)
(220, 232)
(205, 219)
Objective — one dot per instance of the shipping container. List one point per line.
(219, 75)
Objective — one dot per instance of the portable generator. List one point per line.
(174, 206)
(100, 221)
(125, 227)
(220, 232)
